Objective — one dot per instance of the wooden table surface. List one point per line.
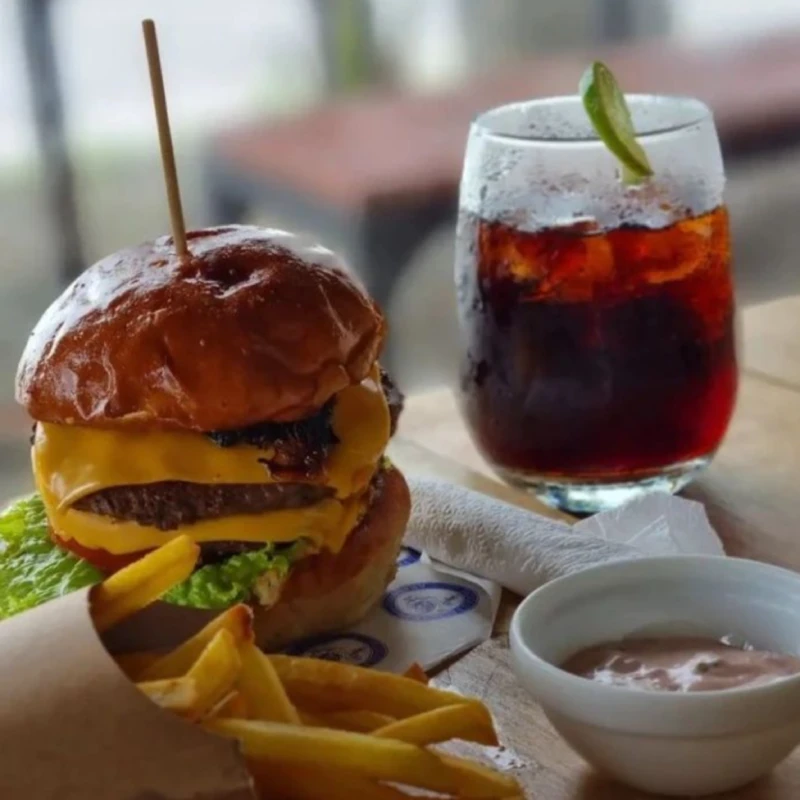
(752, 497)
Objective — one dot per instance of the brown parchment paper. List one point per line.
(160, 626)
(72, 727)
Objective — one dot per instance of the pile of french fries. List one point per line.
(309, 729)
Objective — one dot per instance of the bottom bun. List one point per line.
(330, 591)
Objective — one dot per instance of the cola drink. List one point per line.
(596, 355)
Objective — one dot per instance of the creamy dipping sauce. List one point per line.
(680, 664)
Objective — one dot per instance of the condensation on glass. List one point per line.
(597, 319)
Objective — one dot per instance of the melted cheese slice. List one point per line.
(70, 462)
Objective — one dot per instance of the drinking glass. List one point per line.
(597, 317)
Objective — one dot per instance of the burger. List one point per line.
(234, 395)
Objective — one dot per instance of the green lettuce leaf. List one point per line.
(34, 570)
(237, 579)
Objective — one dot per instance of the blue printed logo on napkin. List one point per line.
(352, 648)
(429, 601)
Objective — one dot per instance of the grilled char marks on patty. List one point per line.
(302, 446)
(169, 504)
(299, 446)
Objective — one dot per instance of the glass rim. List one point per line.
(483, 124)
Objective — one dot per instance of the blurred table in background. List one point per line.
(376, 174)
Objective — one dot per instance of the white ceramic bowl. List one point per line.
(680, 744)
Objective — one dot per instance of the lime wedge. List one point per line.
(611, 118)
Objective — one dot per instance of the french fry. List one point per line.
(359, 720)
(175, 694)
(470, 722)
(309, 728)
(314, 720)
(134, 664)
(416, 673)
(215, 673)
(276, 743)
(308, 783)
(481, 781)
(318, 686)
(232, 705)
(264, 694)
(142, 582)
(238, 620)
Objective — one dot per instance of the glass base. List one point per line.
(582, 496)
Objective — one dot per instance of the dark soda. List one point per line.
(597, 355)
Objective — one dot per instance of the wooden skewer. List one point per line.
(165, 137)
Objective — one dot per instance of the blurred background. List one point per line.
(347, 119)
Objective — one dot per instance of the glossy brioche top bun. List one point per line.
(252, 326)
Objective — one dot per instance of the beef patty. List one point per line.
(169, 504)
